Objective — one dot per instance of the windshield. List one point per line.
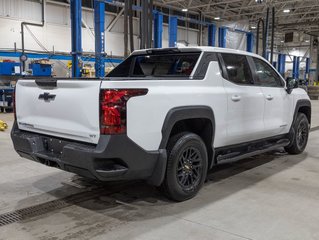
(157, 65)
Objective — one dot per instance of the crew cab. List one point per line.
(166, 116)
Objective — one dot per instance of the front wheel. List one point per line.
(300, 137)
(186, 166)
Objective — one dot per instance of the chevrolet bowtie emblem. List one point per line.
(47, 97)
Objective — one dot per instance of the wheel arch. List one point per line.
(197, 119)
(302, 106)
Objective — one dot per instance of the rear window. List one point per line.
(157, 65)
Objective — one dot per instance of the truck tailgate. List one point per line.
(69, 110)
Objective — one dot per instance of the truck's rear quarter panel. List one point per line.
(146, 114)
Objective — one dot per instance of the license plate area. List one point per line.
(53, 145)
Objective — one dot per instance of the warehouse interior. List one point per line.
(270, 196)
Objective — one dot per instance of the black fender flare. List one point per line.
(172, 117)
(300, 103)
(183, 113)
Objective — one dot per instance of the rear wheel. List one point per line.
(186, 166)
(300, 137)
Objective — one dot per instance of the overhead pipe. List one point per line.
(266, 35)
(142, 25)
(145, 23)
(265, 30)
(150, 23)
(31, 24)
(200, 35)
(126, 10)
(131, 29)
(139, 3)
(272, 36)
(260, 21)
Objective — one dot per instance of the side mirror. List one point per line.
(291, 84)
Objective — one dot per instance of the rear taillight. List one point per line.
(113, 109)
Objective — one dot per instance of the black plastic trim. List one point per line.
(301, 103)
(223, 66)
(51, 83)
(245, 153)
(50, 78)
(115, 157)
(166, 50)
(245, 146)
(203, 64)
(184, 113)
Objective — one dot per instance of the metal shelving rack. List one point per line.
(6, 93)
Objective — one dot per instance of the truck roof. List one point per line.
(197, 48)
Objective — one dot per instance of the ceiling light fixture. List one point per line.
(184, 10)
(286, 11)
(253, 27)
(217, 18)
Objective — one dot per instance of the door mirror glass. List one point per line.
(291, 84)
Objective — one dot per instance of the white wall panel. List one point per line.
(57, 14)
(21, 9)
(57, 30)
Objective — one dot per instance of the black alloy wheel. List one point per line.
(187, 163)
(190, 168)
(299, 135)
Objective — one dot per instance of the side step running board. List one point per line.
(279, 144)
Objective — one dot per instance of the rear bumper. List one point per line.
(115, 157)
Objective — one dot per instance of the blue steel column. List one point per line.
(298, 68)
(76, 36)
(307, 70)
(250, 42)
(281, 64)
(172, 31)
(158, 29)
(99, 24)
(212, 35)
(222, 37)
(295, 69)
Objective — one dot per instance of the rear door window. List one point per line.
(237, 69)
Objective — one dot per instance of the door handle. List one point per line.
(235, 98)
(269, 97)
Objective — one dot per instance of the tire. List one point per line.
(300, 135)
(186, 170)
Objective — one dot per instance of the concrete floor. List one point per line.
(272, 196)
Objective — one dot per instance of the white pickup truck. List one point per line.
(163, 115)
